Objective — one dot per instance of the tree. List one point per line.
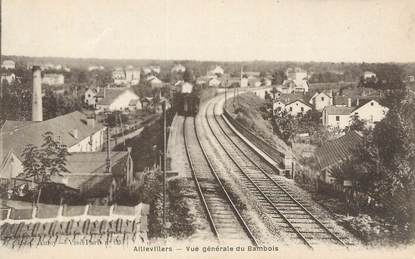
(40, 164)
(284, 125)
(355, 124)
(278, 77)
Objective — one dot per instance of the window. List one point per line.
(322, 98)
(291, 109)
(302, 109)
(371, 104)
(337, 118)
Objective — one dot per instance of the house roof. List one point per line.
(15, 135)
(110, 94)
(301, 101)
(336, 150)
(92, 162)
(289, 98)
(338, 110)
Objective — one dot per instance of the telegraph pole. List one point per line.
(108, 160)
(164, 163)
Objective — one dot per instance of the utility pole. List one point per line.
(108, 160)
(164, 163)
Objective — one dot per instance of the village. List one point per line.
(207, 128)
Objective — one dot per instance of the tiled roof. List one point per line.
(92, 162)
(335, 151)
(18, 134)
(111, 94)
(289, 98)
(340, 100)
(338, 110)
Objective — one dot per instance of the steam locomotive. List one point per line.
(187, 100)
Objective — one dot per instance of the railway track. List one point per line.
(288, 214)
(225, 220)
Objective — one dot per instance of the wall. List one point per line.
(371, 112)
(296, 108)
(51, 225)
(85, 146)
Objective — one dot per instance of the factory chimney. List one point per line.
(37, 111)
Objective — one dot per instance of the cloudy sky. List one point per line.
(223, 30)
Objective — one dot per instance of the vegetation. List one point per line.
(41, 163)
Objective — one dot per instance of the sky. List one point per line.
(221, 30)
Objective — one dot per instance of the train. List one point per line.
(187, 100)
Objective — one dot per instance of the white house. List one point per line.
(336, 116)
(9, 78)
(75, 130)
(8, 64)
(369, 111)
(278, 106)
(90, 96)
(216, 71)
(368, 75)
(116, 99)
(118, 76)
(244, 82)
(53, 79)
(297, 107)
(267, 82)
(321, 99)
(178, 68)
(187, 88)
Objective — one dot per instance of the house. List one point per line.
(244, 82)
(186, 88)
(369, 111)
(116, 99)
(8, 77)
(287, 87)
(178, 68)
(294, 104)
(267, 82)
(321, 99)
(369, 75)
(88, 173)
(296, 74)
(332, 153)
(297, 107)
(90, 96)
(151, 70)
(301, 86)
(135, 105)
(336, 116)
(410, 78)
(76, 130)
(217, 71)
(119, 76)
(215, 82)
(254, 82)
(202, 80)
(53, 79)
(132, 76)
(94, 68)
(154, 82)
(8, 64)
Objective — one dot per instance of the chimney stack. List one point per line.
(37, 111)
(349, 102)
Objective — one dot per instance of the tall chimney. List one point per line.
(37, 113)
(349, 102)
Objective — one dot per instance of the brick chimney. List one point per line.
(37, 109)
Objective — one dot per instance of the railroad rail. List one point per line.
(223, 216)
(285, 210)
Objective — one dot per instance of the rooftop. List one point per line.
(336, 150)
(15, 135)
(338, 110)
